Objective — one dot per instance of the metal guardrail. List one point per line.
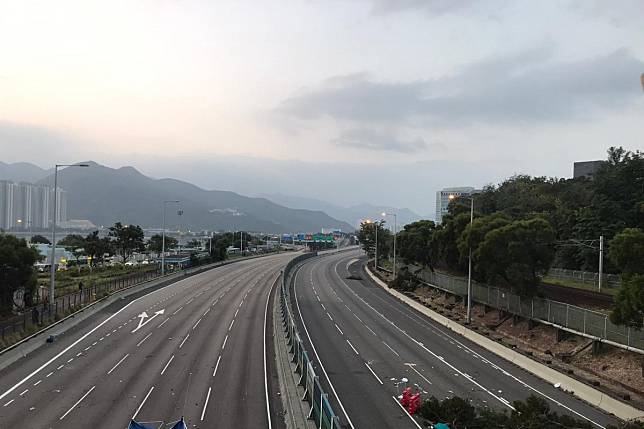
(609, 280)
(320, 411)
(577, 320)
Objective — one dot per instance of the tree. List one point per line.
(474, 234)
(517, 253)
(415, 242)
(626, 250)
(16, 271)
(127, 240)
(39, 239)
(96, 247)
(367, 238)
(194, 243)
(155, 243)
(444, 241)
(75, 244)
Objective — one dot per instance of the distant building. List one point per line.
(586, 168)
(443, 199)
(25, 206)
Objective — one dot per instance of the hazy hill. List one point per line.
(105, 195)
(352, 214)
(22, 172)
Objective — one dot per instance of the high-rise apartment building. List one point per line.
(25, 206)
(443, 199)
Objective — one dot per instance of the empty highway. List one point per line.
(199, 353)
(364, 342)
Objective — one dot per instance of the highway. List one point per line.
(364, 342)
(200, 354)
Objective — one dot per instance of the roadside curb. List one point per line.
(582, 391)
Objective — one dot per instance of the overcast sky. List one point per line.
(381, 101)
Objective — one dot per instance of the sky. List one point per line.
(352, 101)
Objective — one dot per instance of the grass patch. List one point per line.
(579, 285)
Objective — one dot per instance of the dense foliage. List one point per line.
(367, 237)
(16, 271)
(533, 413)
(127, 240)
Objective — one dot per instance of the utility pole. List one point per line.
(163, 236)
(376, 253)
(601, 261)
(469, 269)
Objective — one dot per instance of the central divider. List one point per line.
(320, 411)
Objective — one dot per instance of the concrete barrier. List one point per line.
(584, 392)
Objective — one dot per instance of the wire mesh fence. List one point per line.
(580, 320)
(321, 411)
(608, 280)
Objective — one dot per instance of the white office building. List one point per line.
(443, 199)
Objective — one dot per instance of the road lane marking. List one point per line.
(37, 382)
(47, 376)
(236, 313)
(195, 326)
(167, 364)
(390, 348)
(163, 323)
(60, 367)
(338, 328)
(331, 318)
(216, 366)
(146, 337)
(184, 340)
(117, 364)
(203, 413)
(25, 391)
(406, 412)
(411, 366)
(374, 374)
(206, 312)
(354, 349)
(9, 403)
(69, 360)
(79, 353)
(224, 345)
(231, 325)
(178, 310)
(141, 406)
(77, 402)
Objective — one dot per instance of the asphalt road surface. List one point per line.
(203, 358)
(364, 342)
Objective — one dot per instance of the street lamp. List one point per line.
(165, 203)
(395, 227)
(52, 274)
(468, 317)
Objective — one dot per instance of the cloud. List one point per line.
(37, 144)
(435, 7)
(529, 87)
(364, 138)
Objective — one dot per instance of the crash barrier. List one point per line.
(43, 315)
(320, 408)
(608, 280)
(577, 320)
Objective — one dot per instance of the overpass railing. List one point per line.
(320, 407)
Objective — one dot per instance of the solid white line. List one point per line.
(146, 337)
(216, 366)
(392, 350)
(406, 412)
(231, 325)
(167, 364)
(224, 345)
(203, 413)
(77, 402)
(141, 406)
(338, 328)
(194, 327)
(117, 364)
(372, 331)
(297, 303)
(374, 374)
(351, 345)
(163, 323)
(268, 406)
(184, 340)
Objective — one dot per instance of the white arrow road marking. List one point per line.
(144, 316)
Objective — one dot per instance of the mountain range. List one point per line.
(353, 214)
(106, 195)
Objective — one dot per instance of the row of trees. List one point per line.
(526, 225)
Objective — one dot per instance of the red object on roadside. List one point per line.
(406, 397)
(414, 403)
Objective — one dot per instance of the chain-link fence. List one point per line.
(608, 280)
(321, 412)
(579, 320)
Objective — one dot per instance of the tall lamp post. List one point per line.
(395, 228)
(52, 274)
(468, 318)
(165, 203)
